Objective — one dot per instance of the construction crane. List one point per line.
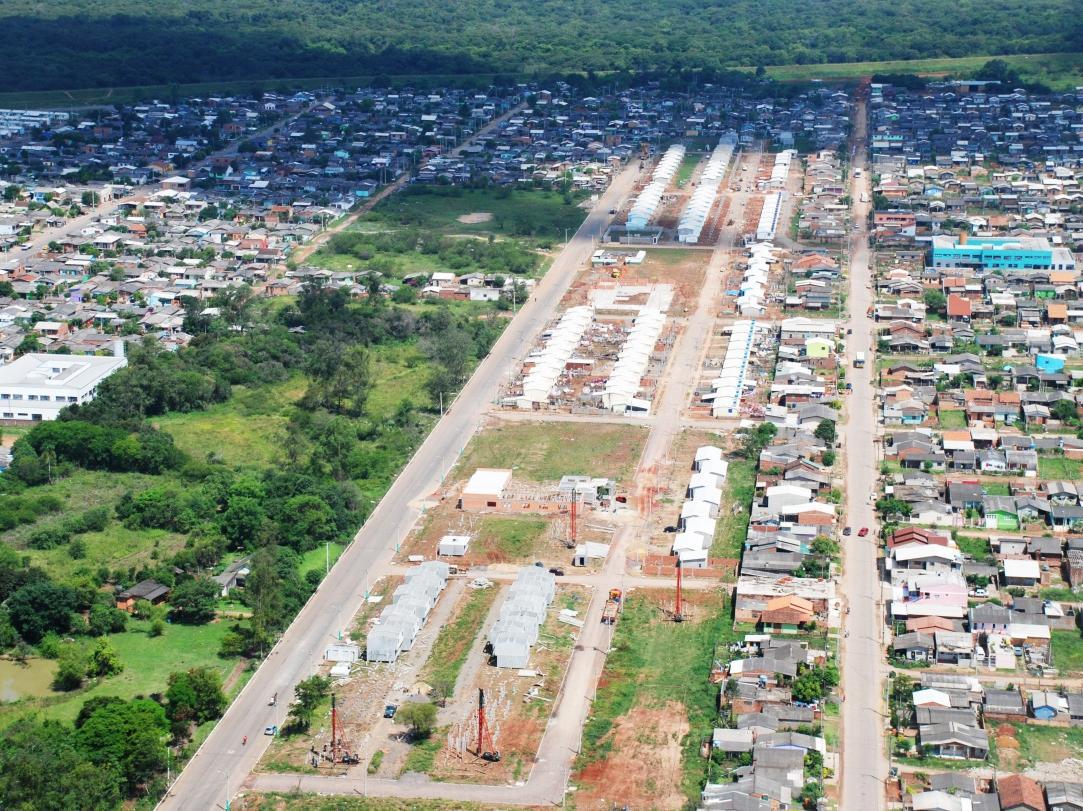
(485, 748)
(678, 608)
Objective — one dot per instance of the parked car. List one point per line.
(390, 710)
(847, 530)
(863, 532)
(556, 570)
(671, 528)
(271, 730)
(979, 592)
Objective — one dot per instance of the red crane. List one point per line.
(485, 748)
(678, 609)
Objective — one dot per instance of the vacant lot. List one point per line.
(543, 452)
(1059, 467)
(733, 515)
(1067, 652)
(658, 673)
(513, 212)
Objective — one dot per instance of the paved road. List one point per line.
(222, 762)
(864, 767)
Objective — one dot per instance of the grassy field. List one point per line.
(510, 211)
(543, 452)
(450, 650)
(310, 802)
(1039, 744)
(244, 431)
(654, 662)
(952, 420)
(977, 548)
(729, 538)
(1060, 71)
(147, 660)
(1067, 651)
(688, 166)
(1059, 467)
(509, 538)
(316, 559)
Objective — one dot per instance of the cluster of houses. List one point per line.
(825, 211)
(958, 791)
(398, 625)
(769, 730)
(1007, 162)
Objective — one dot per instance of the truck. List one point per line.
(859, 360)
(864, 197)
(612, 607)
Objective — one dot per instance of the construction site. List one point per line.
(604, 472)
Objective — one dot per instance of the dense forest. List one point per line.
(79, 43)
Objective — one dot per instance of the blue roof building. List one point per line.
(999, 253)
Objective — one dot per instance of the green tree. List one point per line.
(127, 737)
(825, 431)
(71, 668)
(242, 522)
(194, 696)
(935, 302)
(193, 602)
(308, 694)
(104, 660)
(419, 716)
(39, 607)
(42, 767)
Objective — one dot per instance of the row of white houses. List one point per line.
(694, 216)
(646, 204)
(549, 362)
(400, 622)
(624, 381)
(752, 296)
(768, 224)
(699, 514)
(729, 385)
(521, 615)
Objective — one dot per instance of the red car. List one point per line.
(861, 533)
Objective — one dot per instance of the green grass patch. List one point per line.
(147, 661)
(455, 640)
(1041, 744)
(422, 755)
(655, 662)
(244, 431)
(977, 548)
(997, 489)
(375, 762)
(543, 452)
(1059, 467)
(1061, 71)
(510, 538)
(1061, 594)
(687, 167)
(312, 802)
(732, 527)
(951, 420)
(513, 212)
(1067, 651)
(316, 559)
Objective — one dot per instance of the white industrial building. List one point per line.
(549, 362)
(399, 623)
(521, 615)
(37, 386)
(730, 383)
(646, 204)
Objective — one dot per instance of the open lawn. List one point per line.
(1061, 71)
(317, 559)
(244, 431)
(656, 663)
(543, 452)
(509, 538)
(514, 212)
(688, 166)
(952, 419)
(1067, 651)
(1059, 467)
(147, 661)
(732, 527)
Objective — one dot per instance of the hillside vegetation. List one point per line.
(127, 42)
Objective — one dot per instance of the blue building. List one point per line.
(999, 253)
